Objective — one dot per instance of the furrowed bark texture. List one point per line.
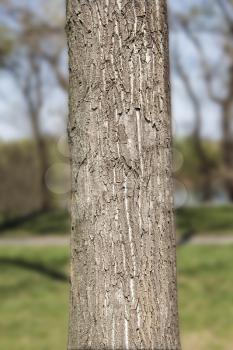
(123, 274)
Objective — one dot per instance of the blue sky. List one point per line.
(14, 123)
(182, 111)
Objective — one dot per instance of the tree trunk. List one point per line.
(43, 160)
(227, 143)
(34, 108)
(205, 166)
(123, 262)
(44, 165)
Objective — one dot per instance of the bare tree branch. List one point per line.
(207, 74)
(53, 60)
(205, 165)
(225, 12)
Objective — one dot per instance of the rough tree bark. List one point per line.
(123, 262)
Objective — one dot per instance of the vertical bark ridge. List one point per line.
(123, 276)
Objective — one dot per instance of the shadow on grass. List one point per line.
(189, 220)
(205, 219)
(36, 267)
(40, 222)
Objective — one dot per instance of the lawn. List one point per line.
(205, 297)
(54, 222)
(207, 220)
(34, 306)
(34, 299)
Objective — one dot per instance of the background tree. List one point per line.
(37, 49)
(123, 275)
(218, 77)
(206, 166)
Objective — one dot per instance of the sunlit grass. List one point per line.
(34, 307)
(205, 296)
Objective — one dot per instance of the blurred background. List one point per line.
(35, 175)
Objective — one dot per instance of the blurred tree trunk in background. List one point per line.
(227, 143)
(227, 102)
(123, 261)
(34, 98)
(30, 51)
(205, 165)
(192, 23)
(43, 159)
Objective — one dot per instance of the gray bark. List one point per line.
(123, 263)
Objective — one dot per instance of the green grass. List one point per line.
(205, 296)
(55, 222)
(34, 307)
(204, 219)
